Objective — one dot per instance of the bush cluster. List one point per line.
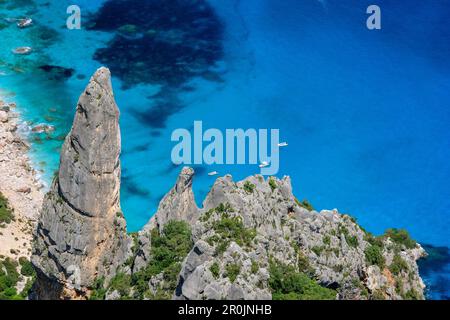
(6, 214)
(374, 256)
(230, 229)
(287, 283)
(401, 237)
(169, 248)
(249, 187)
(168, 251)
(304, 204)
(9, 277)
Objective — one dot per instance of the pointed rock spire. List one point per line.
(179, 204)
(81, 233)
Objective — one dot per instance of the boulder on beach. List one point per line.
(3, 116)
(6, 106)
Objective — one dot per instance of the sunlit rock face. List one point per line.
(81, 233)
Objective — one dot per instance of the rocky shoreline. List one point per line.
(20, 185)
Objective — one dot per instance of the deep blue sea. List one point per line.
(366, 113)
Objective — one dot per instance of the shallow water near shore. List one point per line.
(364, 112)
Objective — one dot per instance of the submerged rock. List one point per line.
(57, 73)
(43, 128)
(183, 39)
(22, 50)
(81, 233)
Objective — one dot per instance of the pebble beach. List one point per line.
(19, 183)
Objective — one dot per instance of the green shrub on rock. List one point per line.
(230, 229)
(26, 269)
(9, 277)
(374, 256)
(255, 267)
(352, 241)
(6, 214)
(98, 291)
(401, 237)
(169, 248)
(304, 204)
(249, 187)
(122, 284)
(398, 265)
(233, 270)
(215, 269)
(273, 184)
(288, 284)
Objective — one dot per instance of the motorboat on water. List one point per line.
(214, 173)
(283, 144)
(22, 50)
(23, 23)
(264, 164)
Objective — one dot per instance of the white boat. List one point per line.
(23, 23)
(264, 164)
(283, 144)
(22, 50)
(214, 173)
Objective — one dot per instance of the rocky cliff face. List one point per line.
(81, 234)
(254, 240)
(251, 239)
(178, 204)
(250, 228)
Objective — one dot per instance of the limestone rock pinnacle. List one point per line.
(81, 232)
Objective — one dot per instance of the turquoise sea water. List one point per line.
(366, 113)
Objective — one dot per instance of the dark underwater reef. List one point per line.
(159, 42)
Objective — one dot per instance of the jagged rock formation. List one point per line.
(251, 239)
(276, 227)
(178, 204)
(81, 232)
(246, 228)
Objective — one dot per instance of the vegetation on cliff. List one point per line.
(401, 238)
(251, 240)
(10, 277)
(169, 248)
(287, 283)
(6, 214)
(229, 228)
